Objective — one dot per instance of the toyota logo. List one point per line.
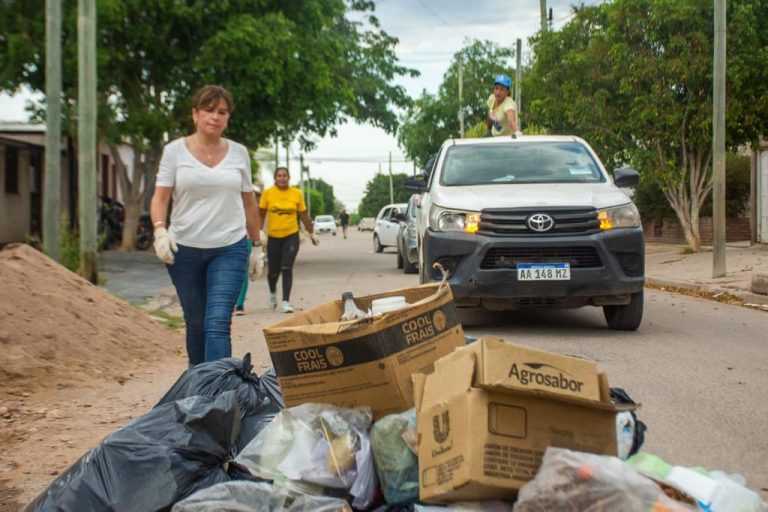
(540, 222)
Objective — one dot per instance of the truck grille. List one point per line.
(512, 221)
(509, 257)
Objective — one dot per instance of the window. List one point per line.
(11, 170)
(534, 162)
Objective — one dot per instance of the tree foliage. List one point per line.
(296, 68)
(377, 194)
(634, 78)
(432, 119)
(326, 191)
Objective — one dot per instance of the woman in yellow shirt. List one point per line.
(282, 206)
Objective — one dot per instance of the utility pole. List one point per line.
(52, 183)
(86, 137)
(277, 152)
(461, 102)
(543, 6)
(718, 144)
(391, 192)
(518, 80)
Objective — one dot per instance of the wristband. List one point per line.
(256, 243)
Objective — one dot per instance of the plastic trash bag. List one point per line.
(316, 449)
(714, 491)
(259, 397)
(159, 458)
(630, 431)
(468, 506)
(585, 482)
(257, 497)
(396, 465)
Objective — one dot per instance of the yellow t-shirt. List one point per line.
(282, 208)
(501, 114)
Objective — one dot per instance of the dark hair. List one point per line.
(210, 95)
(281, 168)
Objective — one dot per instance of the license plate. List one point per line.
(543, 271)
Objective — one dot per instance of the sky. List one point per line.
(430, 32)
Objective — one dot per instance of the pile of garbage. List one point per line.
(487, 425)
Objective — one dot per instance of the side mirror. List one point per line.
(416, 183)
(626, 177)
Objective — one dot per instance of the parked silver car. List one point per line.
(408, 238)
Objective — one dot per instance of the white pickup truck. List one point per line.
(533, 221)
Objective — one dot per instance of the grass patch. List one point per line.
(172, 321)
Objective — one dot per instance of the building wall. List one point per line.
(14, 207)
(669, 231)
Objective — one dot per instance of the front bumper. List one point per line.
(478, 276)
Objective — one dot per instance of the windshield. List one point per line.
(519, 162)
(324, 218)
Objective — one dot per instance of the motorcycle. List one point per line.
(144, 231)
(111, 226)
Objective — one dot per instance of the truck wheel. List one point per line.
(625, 317)
(377, 244)
(400, 259)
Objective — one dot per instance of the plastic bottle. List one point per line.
(351, 311)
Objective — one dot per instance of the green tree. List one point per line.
(296, 69)
(432, 119)
(377, 194)
(315, 202)
(634, 77)
(326, 191)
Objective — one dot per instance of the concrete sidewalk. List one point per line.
(746, 266)
(143, 280)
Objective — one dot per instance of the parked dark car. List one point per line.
(408, 238)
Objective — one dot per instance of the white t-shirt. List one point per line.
(208, 207)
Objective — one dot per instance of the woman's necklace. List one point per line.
(209, 152)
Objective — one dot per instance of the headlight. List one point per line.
(441, 219)
(624, 216)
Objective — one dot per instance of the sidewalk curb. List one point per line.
(748, 298)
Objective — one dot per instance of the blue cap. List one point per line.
(503, 80)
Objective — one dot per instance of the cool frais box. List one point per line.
(366, 362)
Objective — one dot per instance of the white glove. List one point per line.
(315, 239)
(165, 246)
(255, 263)
(262, 237)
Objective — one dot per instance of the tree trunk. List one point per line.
(135, 188)
(687, 195)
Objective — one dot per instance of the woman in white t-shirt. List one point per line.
(205, 246)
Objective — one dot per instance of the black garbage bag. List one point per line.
(156, 460)
(259, 397)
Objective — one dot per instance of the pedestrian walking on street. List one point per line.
(240, 304)
(282, 205)
(205, 247)
(344, 220)
(502, 110)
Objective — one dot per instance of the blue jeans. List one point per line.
(208, 282)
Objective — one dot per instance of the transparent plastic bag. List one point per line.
(585, 482)
(396, 464)
(317, 449)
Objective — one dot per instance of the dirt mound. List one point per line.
(57, 329)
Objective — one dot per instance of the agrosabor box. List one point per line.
(482, 433)
(366, 362)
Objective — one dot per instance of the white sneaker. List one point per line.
(287, 308)
(272, 302)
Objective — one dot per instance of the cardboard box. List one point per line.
(503, 364)
(478, 442)
(318, 358)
